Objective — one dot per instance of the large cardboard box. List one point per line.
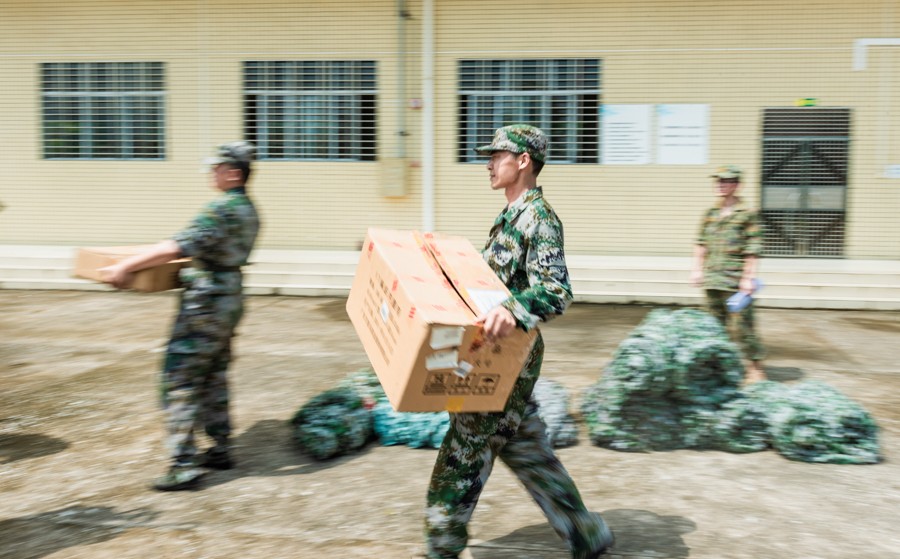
(89, 260)
(414, 304)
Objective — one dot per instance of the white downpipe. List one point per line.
(428, 115)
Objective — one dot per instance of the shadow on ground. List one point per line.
(40, 535)
(19, 447)
(784, 374)
(639, 533)
(267, 449)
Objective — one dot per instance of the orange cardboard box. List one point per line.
(89, 260)
(413, 303)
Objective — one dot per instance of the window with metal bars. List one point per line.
(319, 110)
(805, 161)
(103, 110)
(559, 96)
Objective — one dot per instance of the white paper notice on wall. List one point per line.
(892, 171)
(682, 134)
(626, 130)
(487, 299)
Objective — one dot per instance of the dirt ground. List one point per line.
(80, 439)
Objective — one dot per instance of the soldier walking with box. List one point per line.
(194, 382)
(525, 250)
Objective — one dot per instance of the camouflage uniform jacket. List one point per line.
(728, 242)
(525, 250)
(219, 241)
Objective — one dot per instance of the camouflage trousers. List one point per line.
(740, 326)
(194, 384)
(518, 437)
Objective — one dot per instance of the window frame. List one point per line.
(343, 92)
(562, 96)
(124, 99)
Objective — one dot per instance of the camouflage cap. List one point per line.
(518, 138)
(727, 172)
(233, 152)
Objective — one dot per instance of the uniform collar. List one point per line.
(513, 210)
(738, 206)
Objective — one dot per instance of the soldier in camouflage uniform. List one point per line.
(525, 249)
(194, 384)
(725, 262)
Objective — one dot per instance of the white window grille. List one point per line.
(320, 110)
(103, 110)
(560, 96)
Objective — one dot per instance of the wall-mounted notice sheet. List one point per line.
(626, 134)
(682, 134)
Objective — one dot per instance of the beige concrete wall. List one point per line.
(304, 204)
(736, 57)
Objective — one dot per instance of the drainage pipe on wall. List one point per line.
(402, 16)
(428, 115)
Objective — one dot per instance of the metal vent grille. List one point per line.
(809, 233)
(805, 163)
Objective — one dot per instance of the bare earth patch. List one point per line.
(80, 439)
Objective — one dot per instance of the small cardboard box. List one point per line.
(89, 260)
(413, 303)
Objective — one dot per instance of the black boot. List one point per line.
(217, 458)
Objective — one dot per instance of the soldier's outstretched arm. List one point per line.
(120, 274)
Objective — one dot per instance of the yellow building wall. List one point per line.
(304, 205)
(736, 57)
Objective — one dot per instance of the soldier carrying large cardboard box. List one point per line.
(525, 250)
(194, 382)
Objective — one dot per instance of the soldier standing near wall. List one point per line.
(725, 262)
(194, 382)
(525, 249)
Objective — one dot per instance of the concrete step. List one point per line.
(789, 283)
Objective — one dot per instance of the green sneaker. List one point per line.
(179, 478)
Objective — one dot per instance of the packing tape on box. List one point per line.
(454, 404)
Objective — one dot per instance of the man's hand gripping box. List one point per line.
(89, 260)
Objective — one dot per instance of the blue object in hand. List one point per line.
(740, 300)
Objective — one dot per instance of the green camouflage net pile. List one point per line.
(343, 419)
(333, 423)
(813, 422)
(553, 407)
(675, 383)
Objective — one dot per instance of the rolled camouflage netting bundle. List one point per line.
(693, 400)
(814, 422)
(333, 423)
(706, 366)
(344, 418)
(663, 384)
(416, 430)
(553, 407)
(427, 430)
(627, 422)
